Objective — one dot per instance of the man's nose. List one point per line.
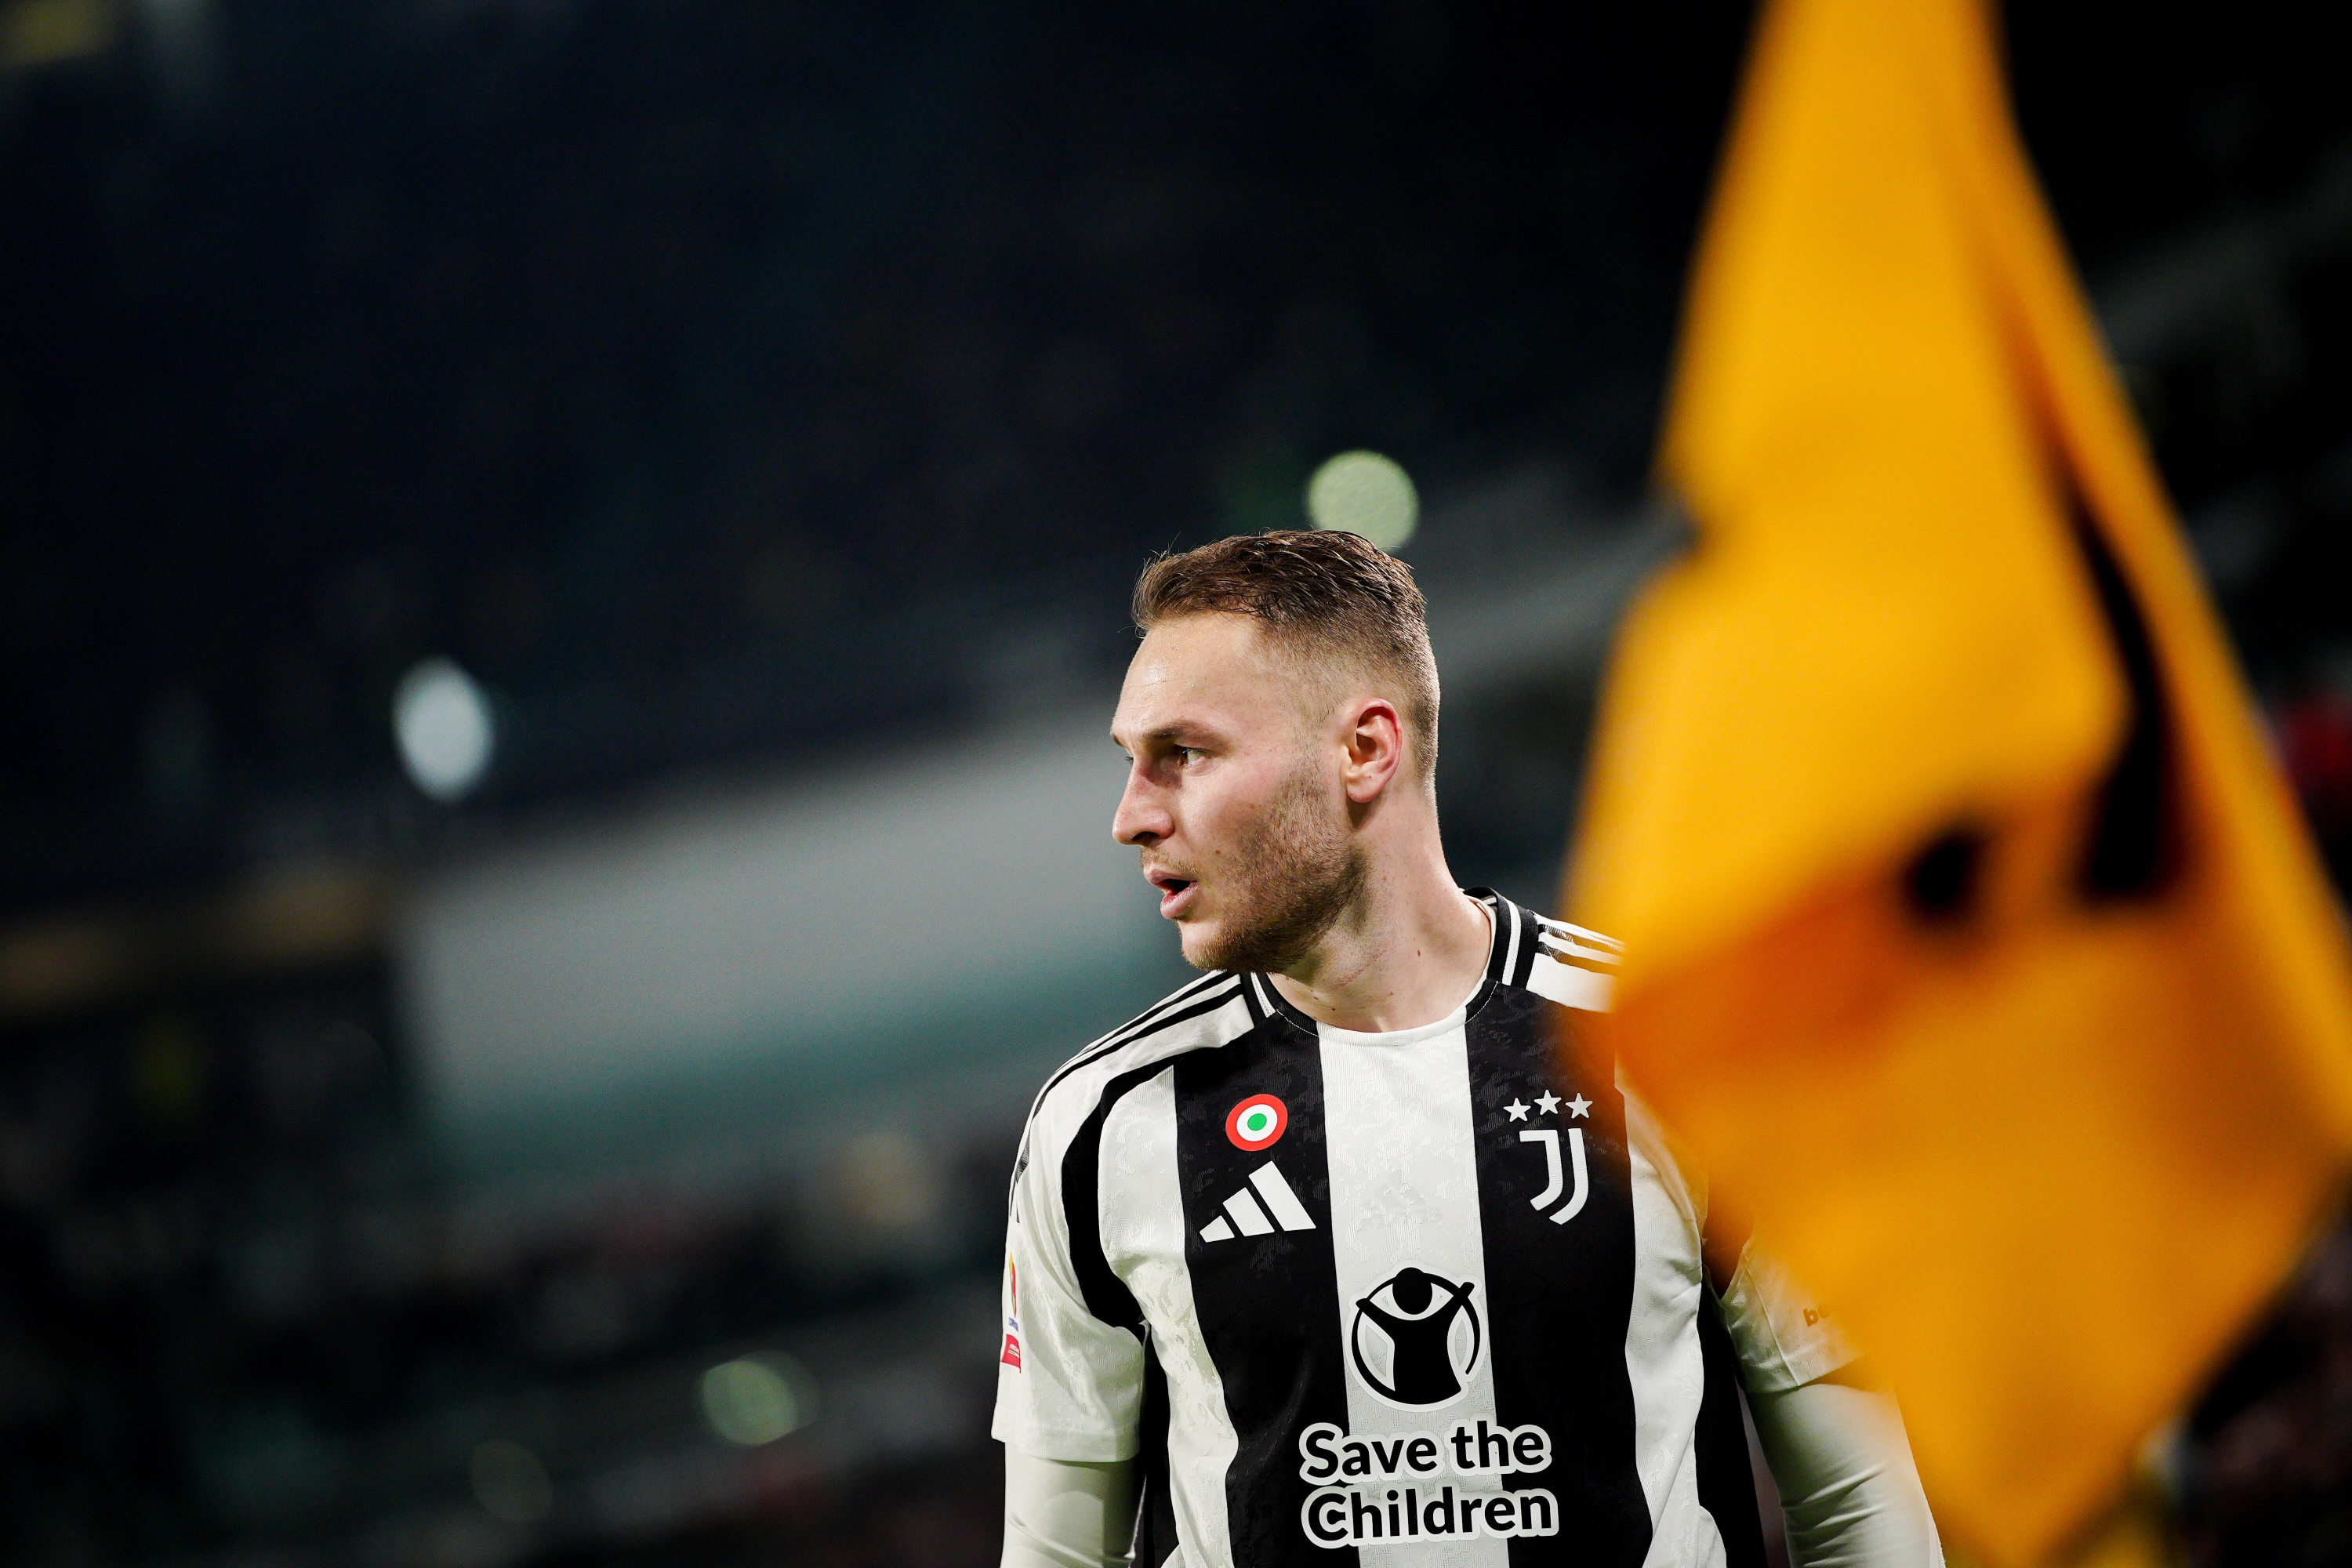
(1140, 819)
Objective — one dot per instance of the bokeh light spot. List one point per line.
(442, 722)
(752, 1400)
(1364, 493)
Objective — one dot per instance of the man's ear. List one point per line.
(1375, 742)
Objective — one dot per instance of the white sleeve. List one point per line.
(1784, 1337)
(1847, 1482)
(1069, 1385)
(1060, 1513)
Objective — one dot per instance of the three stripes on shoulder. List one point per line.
(1250, 1219)
(1581, 971)
(1572, 944)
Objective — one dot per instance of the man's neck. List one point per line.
(1411, 951)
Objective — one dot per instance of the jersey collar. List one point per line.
(1503, 944)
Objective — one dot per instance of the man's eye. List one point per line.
(1188, 755)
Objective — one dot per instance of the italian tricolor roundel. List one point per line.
(1257, 1122)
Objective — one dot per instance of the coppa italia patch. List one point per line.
(1258, 1122)
(1011, 1355)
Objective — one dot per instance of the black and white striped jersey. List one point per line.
(1430, 1294)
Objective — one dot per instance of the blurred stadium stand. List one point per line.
(769, 406)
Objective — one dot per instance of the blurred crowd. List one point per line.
(237, 1301)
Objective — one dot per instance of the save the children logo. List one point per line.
(1415, 1337)
(1377, 1489)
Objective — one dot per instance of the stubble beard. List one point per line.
(1304, 870)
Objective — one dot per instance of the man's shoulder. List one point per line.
(1568, 964)
(1204, 1014)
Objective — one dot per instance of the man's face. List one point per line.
(1233, 795)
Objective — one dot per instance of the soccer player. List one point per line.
(1332, 1249)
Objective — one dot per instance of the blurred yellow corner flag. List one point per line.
(1973, 943)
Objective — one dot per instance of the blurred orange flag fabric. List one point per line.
(1973, 942)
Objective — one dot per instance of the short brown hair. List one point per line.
(1321, 594)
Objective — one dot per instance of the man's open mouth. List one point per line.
(1175, 891)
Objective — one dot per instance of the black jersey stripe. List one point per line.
(1267, 1306)
(1510, 936)
(1155, 1538)
(1271, 1007)
(1500, 948)
(1560, 1357)
(1727, 1481)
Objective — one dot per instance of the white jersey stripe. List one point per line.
(1569, 987)
(1143, 1239)
(1567, 948)
(1611, 943)
(1662, 1348)
(1404, 1193)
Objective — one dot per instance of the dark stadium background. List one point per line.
(769, 404)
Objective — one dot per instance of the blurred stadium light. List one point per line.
(753, 1400)
(445, 728)
(1365, 493)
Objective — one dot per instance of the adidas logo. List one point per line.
(1247, 1219)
